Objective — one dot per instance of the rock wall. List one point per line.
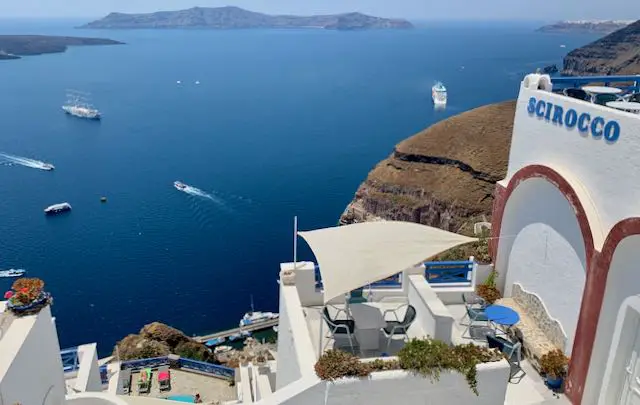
(443, 176)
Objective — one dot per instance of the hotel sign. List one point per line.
(597, 126)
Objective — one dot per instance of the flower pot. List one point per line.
(554, 382)
(33, 307)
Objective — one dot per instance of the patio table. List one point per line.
(501, 315)
(601, 90)
(625, 106)
(369, 321)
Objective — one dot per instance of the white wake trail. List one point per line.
(23, 161)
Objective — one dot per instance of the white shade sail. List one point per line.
(353, 256)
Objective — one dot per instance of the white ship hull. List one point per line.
(439, 94)
(82, 112)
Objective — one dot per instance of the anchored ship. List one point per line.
(439, 94)
(253, 317)
(78, 105)
(12, 273)
(57, 208)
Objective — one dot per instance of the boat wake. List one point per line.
(23, 161)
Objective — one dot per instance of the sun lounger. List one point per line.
(164, 378)
(144, 381)
(125, 375)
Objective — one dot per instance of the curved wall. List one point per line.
(542, 248)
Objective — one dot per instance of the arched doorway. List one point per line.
(543, 249)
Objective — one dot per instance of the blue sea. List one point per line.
(282, 123)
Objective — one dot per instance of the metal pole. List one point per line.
(295, 242)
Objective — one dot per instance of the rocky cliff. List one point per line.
(617, 53)
(443, 176)
(235, 17)
(585, 27)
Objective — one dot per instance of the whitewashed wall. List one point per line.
(400, 387)
(602, 172)
(433, 317)
(623, 282)
(30, 364)
(543, 250)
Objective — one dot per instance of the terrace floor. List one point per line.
(212, 390)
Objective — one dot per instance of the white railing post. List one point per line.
(474, 271)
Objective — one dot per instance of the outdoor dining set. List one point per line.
(360, 323)
(608, 96)
(493, 324)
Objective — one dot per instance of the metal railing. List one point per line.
(139, 364)
(71, 363)
(453, 272)
(563, 82)
(394, 281)
(208, 368)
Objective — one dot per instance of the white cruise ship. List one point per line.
(439, 94)
(78, 106)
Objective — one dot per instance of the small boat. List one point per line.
(12, 273)
(222, 349)
(253, 317)
(179, 185)
(239, 336)
(48, 166)
(57, 208)
(215, 342)
(439, 94)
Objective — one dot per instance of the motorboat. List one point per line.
(222, 349)
(48, 166)
(12, 273)
(253, 317)
(179, 185)
(439, 94)
(240, 336)
(57, 208)
(215, 341)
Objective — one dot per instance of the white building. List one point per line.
(567, 225)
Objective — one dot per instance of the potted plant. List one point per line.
(27, 296)
(554, 366)
(488, 290)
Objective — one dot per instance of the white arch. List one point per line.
(542, 248)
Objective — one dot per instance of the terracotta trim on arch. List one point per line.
(501, 196)
(591, 306)
(585, 330)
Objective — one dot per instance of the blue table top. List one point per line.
(502, 315)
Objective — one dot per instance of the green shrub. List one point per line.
(334, 364)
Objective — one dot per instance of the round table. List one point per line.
(625, 105)
(502, 315)
(602, 90)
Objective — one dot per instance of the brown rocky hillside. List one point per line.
(443, 176)
(617, 53)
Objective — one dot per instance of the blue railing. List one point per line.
(70, 361)
(104, 374)
(394, 281)
(144, 363)
(562, 82)
(213, 369)
(449, 272)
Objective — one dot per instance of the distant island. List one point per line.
(15, 46)
(238, 18)
(585, 26)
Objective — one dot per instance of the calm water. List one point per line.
(283, 123)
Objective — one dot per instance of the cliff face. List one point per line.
(617, 53)
(585, 27)
(443, 176)
(235, 17)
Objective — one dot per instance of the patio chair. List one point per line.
(164, 378)
(635, 98)
(339, 327)
(125, 375)
(512, 351)
(144, 381)
(399, 327)
(603, 99)
(472, 301)
(576, 93)
(357, 296)
(475, 315)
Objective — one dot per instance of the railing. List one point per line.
(459, 273)
(71, 363)
(562, 82)
(394, 281)
(208, 368)
(144, 363)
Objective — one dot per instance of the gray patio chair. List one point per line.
(339, 327)
(472, 301)
(635, 98)
(512, 351)
(576, 93)
(399, 327)
(475, 315)
(603, 99)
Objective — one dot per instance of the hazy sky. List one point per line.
(411, 9)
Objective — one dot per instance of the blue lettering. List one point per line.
(540, 108)
(571, 118)
(531, 108)
(557, 115)
(612, 131)
(595, 131)
(583, 122)
(547, 116)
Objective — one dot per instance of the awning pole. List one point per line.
(295, 242)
